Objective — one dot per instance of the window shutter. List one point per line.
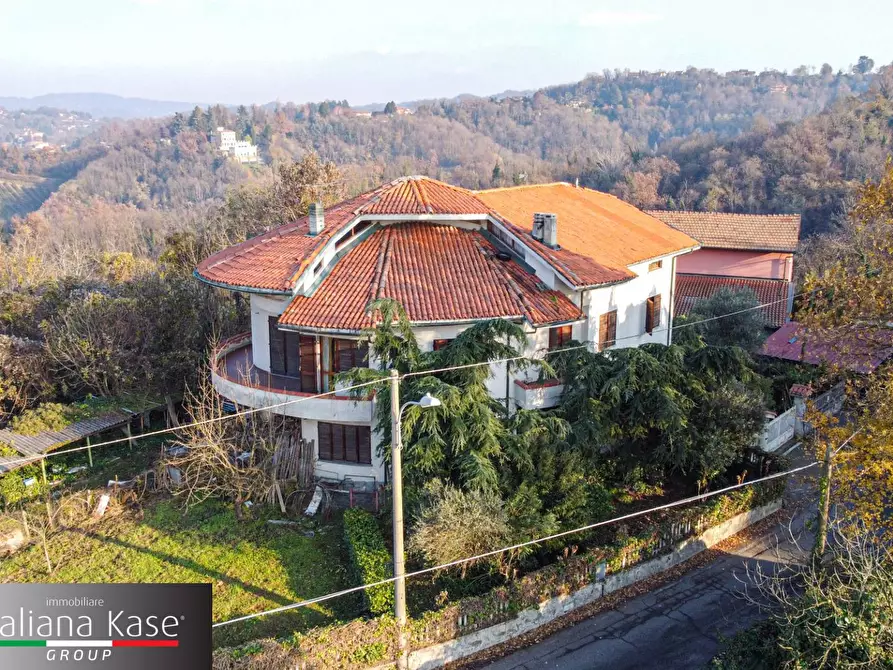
(655, 311)
(607, 330)
(351, 444)
(277, 348)
(365, 447)
(292, 354)
(325, 441)
(649, 315)
(307, 348)
(337, 442)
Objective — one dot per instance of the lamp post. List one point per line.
(397, 498)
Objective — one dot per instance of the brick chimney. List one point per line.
(545, 228)
(317, 218)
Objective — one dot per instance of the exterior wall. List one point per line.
(629, 299)
(337, 470)
(729, 263)
(311, 411)
(262, 308)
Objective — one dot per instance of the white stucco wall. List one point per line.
(262, 308)
(629, 299)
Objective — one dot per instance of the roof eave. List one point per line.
(236, 287)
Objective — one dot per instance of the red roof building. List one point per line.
(563, 262)
(754, 251)
(857, 349)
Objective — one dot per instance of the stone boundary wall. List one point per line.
(438, 655)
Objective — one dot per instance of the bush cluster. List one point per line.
(370, 558)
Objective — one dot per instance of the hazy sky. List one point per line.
(376, 50)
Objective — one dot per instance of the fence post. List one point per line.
(51, 522)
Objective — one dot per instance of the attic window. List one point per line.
(655, 265)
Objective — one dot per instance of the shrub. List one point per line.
(370, 558)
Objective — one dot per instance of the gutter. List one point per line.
(244, 289)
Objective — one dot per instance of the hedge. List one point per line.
(363, 643)
(370, 558)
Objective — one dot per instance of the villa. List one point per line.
(566, 263)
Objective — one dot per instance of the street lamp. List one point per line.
(426, 400)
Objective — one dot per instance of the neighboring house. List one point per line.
(565, 263)
(240, 150)
(754, 251)
(858, 349)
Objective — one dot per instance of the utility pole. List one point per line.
(397, 499)
(824, 505)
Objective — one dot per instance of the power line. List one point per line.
(164, 431)
(521, 545)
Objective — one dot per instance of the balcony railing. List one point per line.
(237, 378)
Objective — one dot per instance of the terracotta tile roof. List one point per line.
(690, 288)
(421, 195)
(273, 261)
(717, 230)
(599, 234)
(858, 349)
(592, 224)
(437, 272)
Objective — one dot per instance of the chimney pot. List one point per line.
(317, 218)
(545, 228)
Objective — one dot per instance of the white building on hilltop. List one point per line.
(240, 150)
(565, 263)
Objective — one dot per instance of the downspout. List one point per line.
(671, 307)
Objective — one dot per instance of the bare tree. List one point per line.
(830, 615)
(236, 458)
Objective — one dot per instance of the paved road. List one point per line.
(676, 627)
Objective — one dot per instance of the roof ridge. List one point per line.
(520, 186)
(700, 212)
(510, 284)
(384, 263)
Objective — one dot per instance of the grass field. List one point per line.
(253, 565)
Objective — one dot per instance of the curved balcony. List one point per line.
(237, 378)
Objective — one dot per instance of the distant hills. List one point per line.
(100, 105)
(462, 97)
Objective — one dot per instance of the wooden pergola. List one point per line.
(35, 447)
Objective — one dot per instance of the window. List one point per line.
(342, 442)
(440, 344)
(607, 330)
(348, 354)
(559, 336)
(652, 313)
(284, 357)
(655, 265)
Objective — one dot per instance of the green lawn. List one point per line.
(252, 565)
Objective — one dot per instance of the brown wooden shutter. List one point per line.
(307, 347)
(325, 441)
(649, 315)
(292, 354)
(277, 348)
(607, 330)
(365, 448)
(338, 442)
(351, 444)
(655, 311)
